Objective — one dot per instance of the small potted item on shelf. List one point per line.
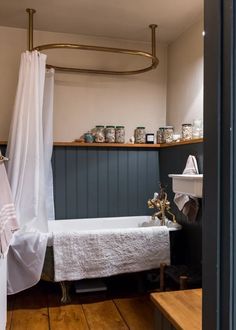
(88, 137)
(131, 140)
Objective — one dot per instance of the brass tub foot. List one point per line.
(65, 298)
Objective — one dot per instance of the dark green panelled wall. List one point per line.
(103, 182)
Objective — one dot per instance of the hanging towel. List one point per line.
(8, 221)
(187, 204)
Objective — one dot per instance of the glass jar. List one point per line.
(160, 135)
(110, 134)
(197, 128)
(99, 134)
(140, 135)
(120, 134)
(168, 132)
(187, 131)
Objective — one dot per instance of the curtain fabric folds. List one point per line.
(29, 170)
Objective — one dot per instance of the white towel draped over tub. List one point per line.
(8, 221)
(101, 253)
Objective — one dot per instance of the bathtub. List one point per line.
(94, 224)
(105, 223)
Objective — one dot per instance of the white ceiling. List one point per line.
(125, 19)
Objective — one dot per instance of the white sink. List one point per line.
(188, 184)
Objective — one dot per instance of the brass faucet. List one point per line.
(162, 205)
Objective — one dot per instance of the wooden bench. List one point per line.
(181, 310)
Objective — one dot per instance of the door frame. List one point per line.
(219, 201)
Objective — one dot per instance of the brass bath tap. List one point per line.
(162, 205)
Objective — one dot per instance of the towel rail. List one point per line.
(3, 158)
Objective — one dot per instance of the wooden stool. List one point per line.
(184, 276)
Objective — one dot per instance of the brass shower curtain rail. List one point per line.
(151, 56)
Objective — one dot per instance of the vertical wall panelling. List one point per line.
(82, 183)
(113, 182)
(92, 190)
(60, 177)
(153, 172)
(123, 183)
(142, 178)
(71, 186)
(102, 182)
(132, 182)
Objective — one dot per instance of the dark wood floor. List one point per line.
(39, 308)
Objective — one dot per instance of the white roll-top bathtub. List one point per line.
(70, 225)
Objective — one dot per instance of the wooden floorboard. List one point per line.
(30, 311)
(65, 317)
(10, 306)
(138, 312)
(104, 316)
(39, 308)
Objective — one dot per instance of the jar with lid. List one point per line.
(187, 131)
(168, 132)
(140, 135)
(110, 134)
(120, 134)
(197, 128)
(160, 135)
(99, 134)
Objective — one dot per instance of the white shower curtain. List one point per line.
(48, 141)
(29, 170)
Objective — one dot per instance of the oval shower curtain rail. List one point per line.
(152, 56)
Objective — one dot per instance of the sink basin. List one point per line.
(188, 184)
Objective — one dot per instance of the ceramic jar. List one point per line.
(88, 137)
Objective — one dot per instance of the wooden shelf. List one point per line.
(120, 145)
(126, 145)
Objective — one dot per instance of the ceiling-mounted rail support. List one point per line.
(153, 28)
(151, 56)
(31, 12)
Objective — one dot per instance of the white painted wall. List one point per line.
(83, 101)
(185, 78)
